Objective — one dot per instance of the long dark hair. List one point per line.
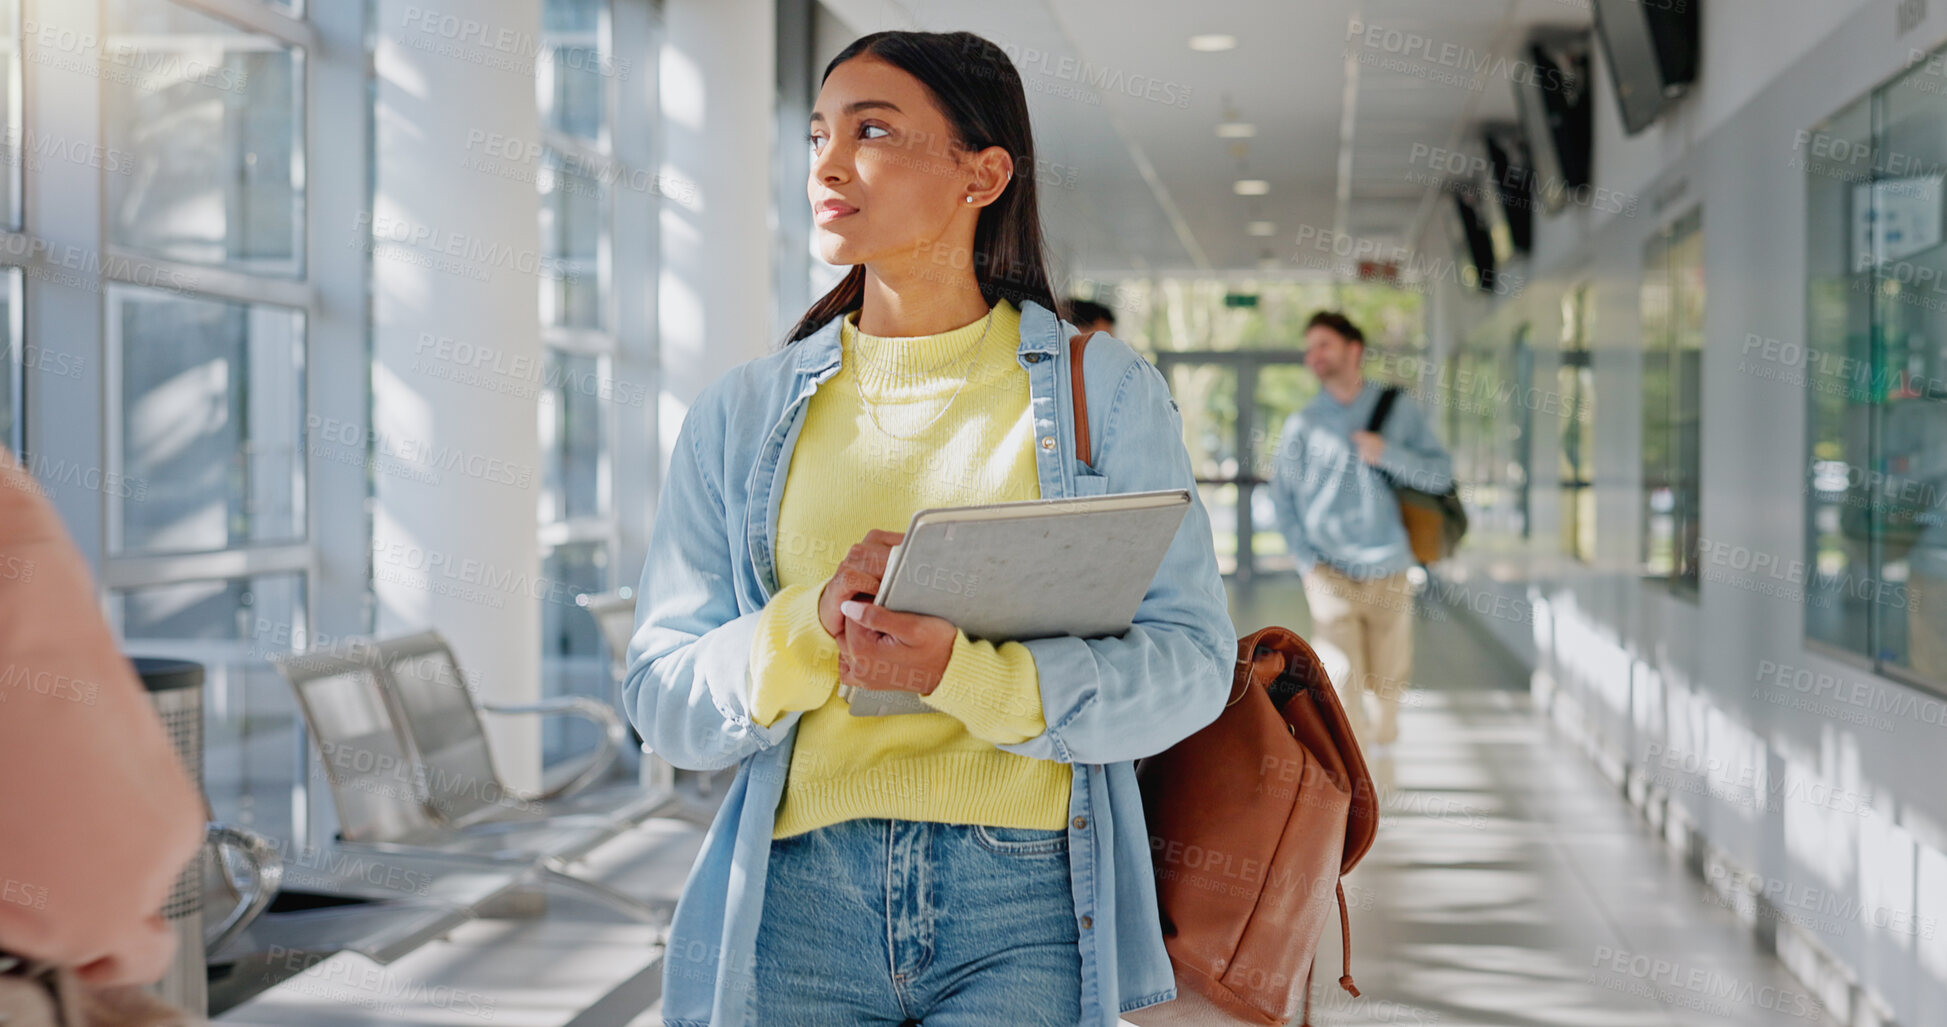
(979, 91)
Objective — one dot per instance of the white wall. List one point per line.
(1641, 675)
(456, 356)
(718, 88)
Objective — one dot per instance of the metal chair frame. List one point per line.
(379, 781)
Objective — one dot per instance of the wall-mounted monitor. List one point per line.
(1558, 116)
(1652, 49)
(1510, 189)
(1472, 244)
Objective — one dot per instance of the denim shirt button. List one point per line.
(1048, 442)
(1081, 823)
(1088, 922)
(1034, 358)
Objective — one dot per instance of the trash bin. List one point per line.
(176, 689)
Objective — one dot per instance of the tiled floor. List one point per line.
(1511, 886)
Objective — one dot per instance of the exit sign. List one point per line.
(1240, 299)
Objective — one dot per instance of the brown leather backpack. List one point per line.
(1252, 821)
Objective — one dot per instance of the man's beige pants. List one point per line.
(1363, 631)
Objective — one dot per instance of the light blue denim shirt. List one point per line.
(1107, 701)
(1336, 509)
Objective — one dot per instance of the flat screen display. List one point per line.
(1651, 48)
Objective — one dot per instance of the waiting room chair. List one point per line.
(391, 799)
(440, 712)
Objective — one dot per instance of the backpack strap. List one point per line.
(1345, 933)
(1080, 394)
(1387, 396)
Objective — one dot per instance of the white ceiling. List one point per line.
(1135, 183)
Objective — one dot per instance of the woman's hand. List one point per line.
(884, 650)
(857, 576)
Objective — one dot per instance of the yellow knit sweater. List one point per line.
(856, 468)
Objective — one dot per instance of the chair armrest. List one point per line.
(267, 875)
(613, 736)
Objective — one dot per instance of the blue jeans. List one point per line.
(902, 922)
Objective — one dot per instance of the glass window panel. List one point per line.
(1908, 489)
(10, 398)
(210, 397)
(574, 437)
(1659, 501)
(16, 358)
(574, 236)
(1478, 393)
(211, 120)
(572, 76)
(574, 660)
(1282, 390)
(1575, 379)
(1520, 429)
(1220, 501)
(17, 146)
(1838, 333)
(1686, 414)
(1206, 396)
(232, 627)
(1673, 329)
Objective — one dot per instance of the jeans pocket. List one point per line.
(1021, 841)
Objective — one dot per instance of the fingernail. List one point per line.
(851, 608)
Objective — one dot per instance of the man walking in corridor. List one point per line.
(1333, 492)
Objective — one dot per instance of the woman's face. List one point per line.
(888, 184)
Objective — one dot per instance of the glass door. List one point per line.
(1234, 404)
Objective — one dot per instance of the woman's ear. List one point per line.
(992, 169)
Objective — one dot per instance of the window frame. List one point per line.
(1683, 578)
(624, 344)
(1861, 391)
(66, 303)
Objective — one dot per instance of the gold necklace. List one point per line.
(973, 353)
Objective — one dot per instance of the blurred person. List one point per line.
(1332, 490)
(97, 815)
(985, 862)
(1090, 316)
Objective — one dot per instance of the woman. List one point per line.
(985, 863)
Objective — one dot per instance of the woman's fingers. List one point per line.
(902, 627)
(888, 650)
(859, 573)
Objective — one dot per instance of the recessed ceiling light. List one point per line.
(1236, 130)
(1262, 228)
(1213, 44)
(1251, 187)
